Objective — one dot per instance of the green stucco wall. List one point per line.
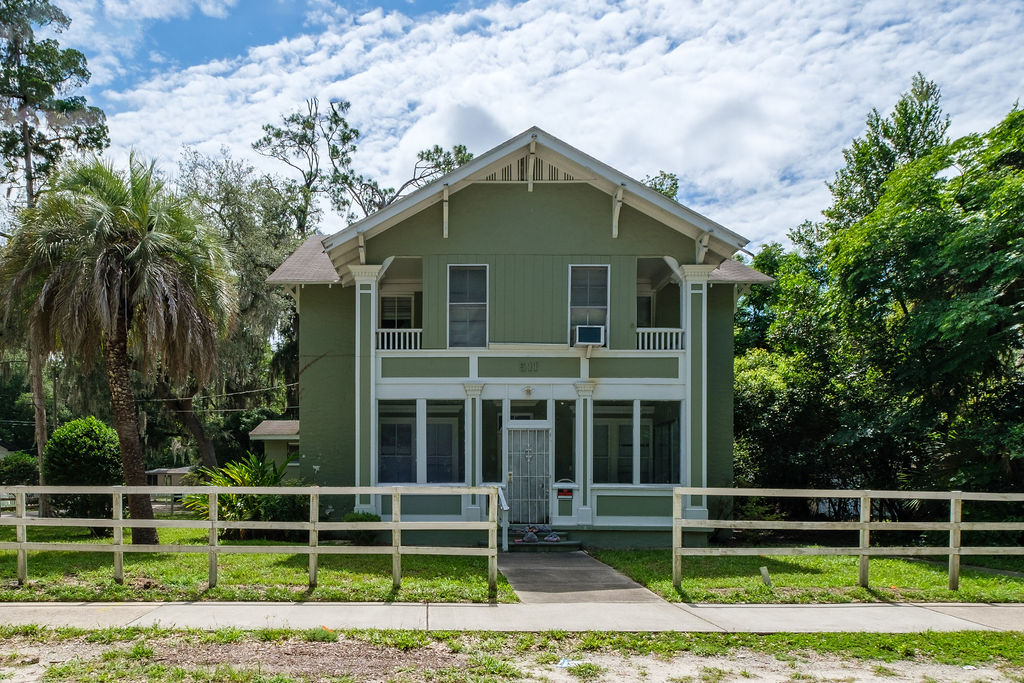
(326, 382)
(528, 240)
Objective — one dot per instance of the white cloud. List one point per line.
(750, 102)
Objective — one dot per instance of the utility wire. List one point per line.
(233, 393)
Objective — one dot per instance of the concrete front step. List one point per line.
(517, 531)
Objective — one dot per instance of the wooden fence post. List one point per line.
(396, 540)
(677, 559)
(118, 515)
(956, 505)
(314, 537)
(214, 515)
(865, 539)
(21, 512)
(492, 543)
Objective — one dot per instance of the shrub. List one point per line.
(19, 469)
(251, 470)
(83, 452)
(366, 537)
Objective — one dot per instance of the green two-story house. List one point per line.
(534, 319)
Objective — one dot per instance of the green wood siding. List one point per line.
(720, 391)
(667, 367)
(326, 380)
(528, 240)
(635, 506)
(528, 367)
(424, 367)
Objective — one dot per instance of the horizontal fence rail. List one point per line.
(864, 551)
(21, 521)
(659, 339)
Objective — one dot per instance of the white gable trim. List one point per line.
(568, 159)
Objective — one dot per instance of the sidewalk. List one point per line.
(592, 616)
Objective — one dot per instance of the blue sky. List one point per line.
(749, 101)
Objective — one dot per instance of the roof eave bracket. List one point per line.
(362, 250)
(616, 209)
(444, 211)
(703, 242)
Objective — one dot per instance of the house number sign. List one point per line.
(530, 367)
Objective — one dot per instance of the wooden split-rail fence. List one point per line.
(21, 521)
(864, 525)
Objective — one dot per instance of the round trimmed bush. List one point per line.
(83, 452)
(19, 469)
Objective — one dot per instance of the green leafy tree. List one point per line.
(319, 146)
(664, 182)
(41, 120)
(122, 265)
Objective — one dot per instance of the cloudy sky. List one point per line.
(749, 102)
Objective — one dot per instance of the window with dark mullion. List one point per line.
(467, 306)
(396, 312)
(588, 297)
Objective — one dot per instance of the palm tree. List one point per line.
(116, 266)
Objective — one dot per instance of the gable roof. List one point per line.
(275, 429)
(562, 162)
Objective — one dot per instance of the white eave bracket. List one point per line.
(703, 242)
(532, 164)
(444, 211)
(617, 209)
(362, 250)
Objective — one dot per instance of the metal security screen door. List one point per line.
(529, 483)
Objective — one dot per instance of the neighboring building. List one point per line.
(167, 476)
(280, 439)
(534, 319)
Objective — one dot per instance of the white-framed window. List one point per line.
(467, 306)
(397, 311)
(637, 442)
(588, 297)
(421, 442)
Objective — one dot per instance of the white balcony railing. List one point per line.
(659, 339)
(399, 340)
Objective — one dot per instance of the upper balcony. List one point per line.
(437, 304)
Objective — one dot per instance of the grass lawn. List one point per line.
(67, 576)
(282, 656)
(807, 579)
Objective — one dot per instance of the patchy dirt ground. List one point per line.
(350, 659)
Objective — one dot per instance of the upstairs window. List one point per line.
(396, 312)
(467, 306)
(588, 298)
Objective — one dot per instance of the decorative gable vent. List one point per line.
(518, 171)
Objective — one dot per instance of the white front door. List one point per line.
(529, 482)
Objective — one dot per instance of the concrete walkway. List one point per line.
(545, 616)
(569, 577)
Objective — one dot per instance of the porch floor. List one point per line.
(568, 578)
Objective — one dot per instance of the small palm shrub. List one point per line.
(250, 470)
(83, 452)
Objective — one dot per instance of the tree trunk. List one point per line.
(186, 417)
(115, 353)
(35, 363)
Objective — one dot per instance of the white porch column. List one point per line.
(473, 449)
(584, 429)
(365, 277)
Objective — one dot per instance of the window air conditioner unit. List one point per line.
(590, 335)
